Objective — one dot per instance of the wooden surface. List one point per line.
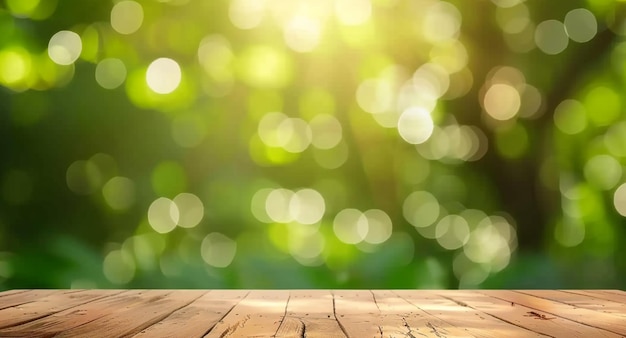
(312, 313)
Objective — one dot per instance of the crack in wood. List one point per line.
(434, 330)
(527, 294)
(303, 333)
(456, 301)
(429, 311)
(391, 319)
(343, 329)
(221, 320)
(44, 315)
(538, 315)
(231, 329)
(375, 301)
(496, 317)
(408, 327)
(284, 315)
(163, 316)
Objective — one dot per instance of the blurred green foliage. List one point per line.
(312, 144)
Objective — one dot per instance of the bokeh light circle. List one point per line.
(415, 125)
(110, 73)
(551, 37)
(163, 75)
(65, 47)
(126, 16)
(619, 199)
(163, 215)
(581, 25)
(218, 250)
(502, 101)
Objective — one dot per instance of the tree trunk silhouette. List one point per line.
(518, 182)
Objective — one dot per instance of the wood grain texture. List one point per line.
(602, 294)
(522, 313)
(476, 323)
(113, 316)
(584, 299)
(13, 292)
(197, 318)
(47, 305)
(357, 313)
(18, 298)
(410, 319)
(132, 319)
(259, 314)
(314, 310)
(312, 313)
(594, 320)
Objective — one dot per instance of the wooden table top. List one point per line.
(312, 313)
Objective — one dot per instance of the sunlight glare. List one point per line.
(246, 14)
(442, 22)
(353, 12)
(302, 34)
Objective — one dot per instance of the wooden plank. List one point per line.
(476, 323)
(290, 327)
(133, 319)
(398, 317)
(602, 294)
(12, 292)
(313, 313)
(357, 313)
(583, 299)
(384, 314)
(197, 318)
(84, 314)
(590, 318)
(259, 314)
(310, 313)
(614, 292)
(410, 320)
(19, 298)
(48, 305)
(528, 311)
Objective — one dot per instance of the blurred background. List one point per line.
(312, 144)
